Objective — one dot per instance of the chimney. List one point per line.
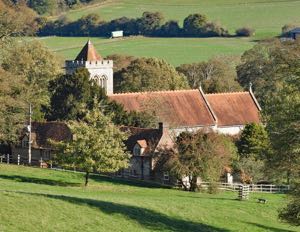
(161, 126)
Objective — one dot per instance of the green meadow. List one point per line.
(175, 50)
(266, 16)
(34, 199)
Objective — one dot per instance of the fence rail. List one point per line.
(266, 188)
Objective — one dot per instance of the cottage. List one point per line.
(41, 149)
(145, 145)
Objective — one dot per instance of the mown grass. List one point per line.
(33, 199)
(266, 16)
(175, 50)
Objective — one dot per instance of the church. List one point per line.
(179, 110)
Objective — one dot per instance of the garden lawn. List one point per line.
(266, 16)
(174, 50)
(35, 199)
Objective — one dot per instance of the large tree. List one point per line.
(201, 154)
(97, 145)
(149, 74)
(72, 94)
(282, 114)
(267, 65)
(194, 24)
(13, 106)
(254, 141)
(216, 75)
(150, 22)
(15, 19)
(37, 66)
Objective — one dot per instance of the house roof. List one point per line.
(43, 131)
(237, 108)
(150, 137)
(176, 108)
(88, 53)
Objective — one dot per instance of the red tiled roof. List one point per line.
(176, 108)
(43, 131)
(88, 53)
(150, 136)
(238, 108)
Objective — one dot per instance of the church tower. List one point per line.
(100, 70)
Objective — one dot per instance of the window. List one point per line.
(137, 150)
(166, 176)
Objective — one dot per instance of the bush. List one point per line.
(245, 31)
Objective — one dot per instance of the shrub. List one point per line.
(245, 31)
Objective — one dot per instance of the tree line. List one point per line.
(149, 24)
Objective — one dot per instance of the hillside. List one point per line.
(35, 199)
(266, 16)
(175, 50)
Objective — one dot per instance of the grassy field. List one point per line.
(35, 199)
(266, 16)
(175, 50)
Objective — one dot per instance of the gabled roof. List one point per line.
(150, 136)
(237, 108)
(175, 108)
(88, 53)
(191, 108)
(151, 139)
(43, 131)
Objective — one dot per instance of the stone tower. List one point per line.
(99, 69)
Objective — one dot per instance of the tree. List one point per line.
(150, 74)
(15, 20)
(42, 6)
(266, 66)
(254, 141)
(282, 114)
(97, 145)
(37, 66)
(150, 22)
(170, 29)
(194, 23)
(13, 106)
(216, 75)
(71, 95)
(201, 154)
(291, 213)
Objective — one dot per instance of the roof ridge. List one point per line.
(158, 91)
(224, 93)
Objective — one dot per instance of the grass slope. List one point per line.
(175, 50)
(34, 199)
(266, 16)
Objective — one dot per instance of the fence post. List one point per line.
(1, 158)
(7, 158)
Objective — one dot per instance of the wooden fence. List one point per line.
(266, 188)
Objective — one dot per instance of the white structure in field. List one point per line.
(100, 70)
(116, 34)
